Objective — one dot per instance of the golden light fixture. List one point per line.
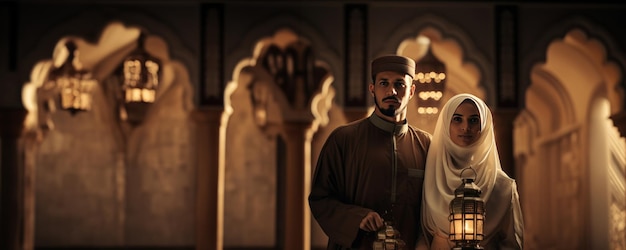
(140, 80)
(73, 82)
(467, 215)
(430, 80)
(388, 238)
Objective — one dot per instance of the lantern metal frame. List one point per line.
(388, 238)
(140, 78)
(73, 83)
(467, 215)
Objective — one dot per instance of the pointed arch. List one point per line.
(548, 99)
(106, 163)
(274, 109)
(453, 46)
(467, 71)
(319, 43)
(83, 25)
(611, 53)
(556, 138)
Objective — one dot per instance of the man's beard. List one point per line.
(392, 111)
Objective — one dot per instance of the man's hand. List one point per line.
(371, 222)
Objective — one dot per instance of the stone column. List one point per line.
(12, 178)
(297, 221)
(210, 179)
(503, 128)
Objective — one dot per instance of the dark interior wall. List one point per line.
(320, 23)
(78, 165)
(541, 24)
(475, 19)
(33, 27)
(41, 25)
(10, 94)
(30, 29)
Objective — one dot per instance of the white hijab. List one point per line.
(442, 176)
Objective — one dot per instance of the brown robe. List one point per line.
(354, 176)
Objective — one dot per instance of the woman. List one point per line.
(464, 137)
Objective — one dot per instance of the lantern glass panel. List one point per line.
(479, 229)
(469, 227)
(73, 82)
(140, 75)
(455, 229)
(467, 216)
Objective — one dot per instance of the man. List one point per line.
(370, 171)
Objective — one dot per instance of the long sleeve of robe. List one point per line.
(504, 224)
(353, 176)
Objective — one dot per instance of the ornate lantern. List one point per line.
(73, 82)
(430, 79)
(388, 238)
(141, 73)
(467, 215)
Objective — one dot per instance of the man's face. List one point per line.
(392, 92)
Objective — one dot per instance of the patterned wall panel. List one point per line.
(211, 47)
(506, 37)
(356, 55)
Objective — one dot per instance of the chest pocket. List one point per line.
(410, 186)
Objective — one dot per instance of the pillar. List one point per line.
(210, 179)
(297, 221)
(503, 128)
(12, 178)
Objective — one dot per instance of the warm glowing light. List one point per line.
(430, 81)
(140, 75)
(429, 77)
(467, 216)
(428, 110)
(435, 95)
(75, 92)
(73, 83)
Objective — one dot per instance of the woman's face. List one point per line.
(465, 124)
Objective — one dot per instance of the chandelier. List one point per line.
(430, 79)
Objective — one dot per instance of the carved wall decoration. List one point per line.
(279, 102)
(356, 56)
(96, 180)
(562, 143)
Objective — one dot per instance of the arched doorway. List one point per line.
(93, 179)
(564, 175)
(276, 102)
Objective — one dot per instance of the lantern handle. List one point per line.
(475, 174)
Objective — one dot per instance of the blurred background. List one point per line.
(196, 124)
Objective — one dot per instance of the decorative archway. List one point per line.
(563, 177)
(101, 166)
(279, 96)
(467, 70)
